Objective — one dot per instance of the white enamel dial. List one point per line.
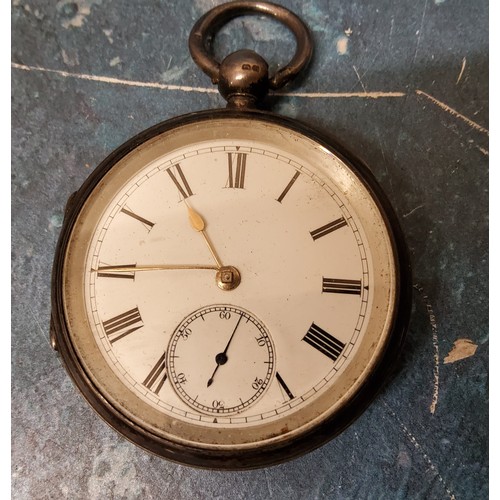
(168, 336)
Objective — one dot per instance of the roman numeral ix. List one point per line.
(323, 342)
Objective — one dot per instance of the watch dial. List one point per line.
(229, 275)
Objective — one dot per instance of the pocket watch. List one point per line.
(230, 287)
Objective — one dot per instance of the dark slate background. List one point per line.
(430, 156)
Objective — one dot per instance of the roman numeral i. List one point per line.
(288, 187)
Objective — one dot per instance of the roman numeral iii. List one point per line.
(323, 342)
(349, 287)
(122, 325)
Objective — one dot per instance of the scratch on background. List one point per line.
(118, 81)
(359, 79)
(419, 32)
(453, 112)
(42, 331)
(464, 61)
(419, 448)
(185, 88)
(413, 210)
(435, 343)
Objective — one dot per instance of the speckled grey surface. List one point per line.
(426, 434)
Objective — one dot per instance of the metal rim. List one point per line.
(268, 455)
(207, 26)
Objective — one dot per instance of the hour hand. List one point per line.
(198, 224)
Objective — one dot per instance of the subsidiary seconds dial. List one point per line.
(220, 360)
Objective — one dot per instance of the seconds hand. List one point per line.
(221, 358)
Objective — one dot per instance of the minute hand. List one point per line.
(153, 267)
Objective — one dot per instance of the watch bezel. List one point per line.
(277, 452)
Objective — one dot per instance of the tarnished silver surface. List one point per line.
(208, 25)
